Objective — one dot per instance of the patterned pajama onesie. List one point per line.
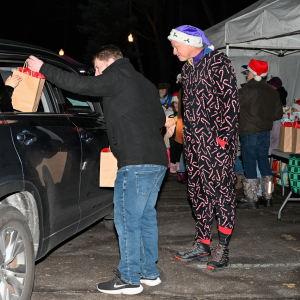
(211, 108)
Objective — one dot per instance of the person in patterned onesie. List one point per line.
(210, 131)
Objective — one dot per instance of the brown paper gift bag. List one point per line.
(296, 137)
(26, 96)
(108, 169)
(286, 139)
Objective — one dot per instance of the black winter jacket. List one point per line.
(132, 110)
(283, 94)
(260, 106)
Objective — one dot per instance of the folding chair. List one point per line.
(294, 177)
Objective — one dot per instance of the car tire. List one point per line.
(17, 261)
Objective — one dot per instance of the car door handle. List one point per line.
(26, 137)
(86, 136)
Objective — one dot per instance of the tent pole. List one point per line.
(227, 50)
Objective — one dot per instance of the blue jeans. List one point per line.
(238, 166)
(135, 196)
(182, 168)
(255, 148)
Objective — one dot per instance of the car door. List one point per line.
(50, 149)
(92, 129)
(10, 164)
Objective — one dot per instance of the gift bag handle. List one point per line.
(26, 66)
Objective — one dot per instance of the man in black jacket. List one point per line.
(134, 116)
(260, 106)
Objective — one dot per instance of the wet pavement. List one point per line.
(264, 256)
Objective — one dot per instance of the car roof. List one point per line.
(21, 50)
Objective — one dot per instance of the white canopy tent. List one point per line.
(267, 30)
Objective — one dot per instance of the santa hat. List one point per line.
(296, 104)
(175, 97)
(258, 68)
(189, 35)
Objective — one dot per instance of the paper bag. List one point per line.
(286, 139)
(296, 137)
(108, 169)
(27, 94)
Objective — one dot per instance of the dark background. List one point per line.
(81, 27)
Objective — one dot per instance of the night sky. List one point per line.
(53, 24)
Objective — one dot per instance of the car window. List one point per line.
(43, 106)
(77, 103)
(72, 103)
(5, 101)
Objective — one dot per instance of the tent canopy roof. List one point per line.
(270, 24)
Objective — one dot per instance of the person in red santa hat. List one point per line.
(260, 106)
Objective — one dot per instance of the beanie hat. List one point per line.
(162, 86)
(175, 97)
(297, 104)
(275, 81)
(259, 68)
(178, 77)
(189, 35)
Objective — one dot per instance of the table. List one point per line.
(280, 155)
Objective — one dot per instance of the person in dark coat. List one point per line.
(276, 84)
(134, 116)
(210, 130)
(260, 106)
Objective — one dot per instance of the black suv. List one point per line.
(49, 171)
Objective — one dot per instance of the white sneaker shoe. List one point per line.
(151, 282)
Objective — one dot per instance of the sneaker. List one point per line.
(150, 282)
(118, 286)
(198, 251)
(220, 258)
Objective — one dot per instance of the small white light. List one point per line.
(130, 38)
(61, 52)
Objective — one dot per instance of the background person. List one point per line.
(296, 106)
(260, 106)
(134, 116)
(181, 172)
(175, 148)
(276, 84)
(165, 97)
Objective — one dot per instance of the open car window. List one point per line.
(44, 104)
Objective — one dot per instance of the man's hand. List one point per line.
(13, 81)
(34, 64)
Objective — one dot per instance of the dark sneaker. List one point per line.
(244, 204)
(220, 258)
(198, 251)
(150, 282)
(118, 286)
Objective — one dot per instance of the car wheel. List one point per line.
(17, 262)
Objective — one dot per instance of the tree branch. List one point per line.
(152, 40)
